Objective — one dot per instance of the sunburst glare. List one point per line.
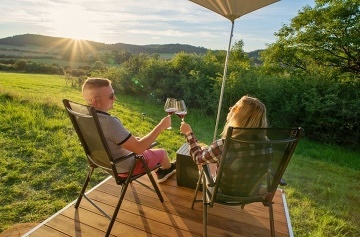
(72, 22)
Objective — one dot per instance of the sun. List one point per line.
(72, 22)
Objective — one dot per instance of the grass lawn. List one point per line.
(42, 164)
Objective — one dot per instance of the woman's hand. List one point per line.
(185, 128)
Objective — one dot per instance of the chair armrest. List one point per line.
(131, 154)
(282, 182)
(155, 143)
(208, 176)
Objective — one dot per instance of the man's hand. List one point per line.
(165, 122)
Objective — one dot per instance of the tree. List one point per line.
(20, 64)
(325, 37)
(238, 54)
(98, 65)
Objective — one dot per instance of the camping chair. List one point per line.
(86, 123)
(252, 165)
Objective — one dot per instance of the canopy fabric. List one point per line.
(233, 9)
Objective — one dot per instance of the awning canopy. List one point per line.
(233, 9)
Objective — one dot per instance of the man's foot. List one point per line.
(163, 175)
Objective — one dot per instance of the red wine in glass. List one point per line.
(181, 115)
(170, 111)
(170, 106)
(181, 110)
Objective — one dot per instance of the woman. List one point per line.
(248, 112)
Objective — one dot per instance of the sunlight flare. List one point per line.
(73, 22)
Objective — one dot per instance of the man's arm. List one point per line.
(138, 146)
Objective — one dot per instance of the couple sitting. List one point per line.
(98, 92)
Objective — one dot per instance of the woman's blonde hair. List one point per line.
(248, 112)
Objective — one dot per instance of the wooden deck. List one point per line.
(142, 214)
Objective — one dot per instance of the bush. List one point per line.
(327, 109)
(6, 67)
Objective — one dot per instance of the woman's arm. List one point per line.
(200, 155)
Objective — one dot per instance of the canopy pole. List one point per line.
(223, 82)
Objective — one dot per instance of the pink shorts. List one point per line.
(152, 157)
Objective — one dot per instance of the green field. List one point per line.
(42, 166)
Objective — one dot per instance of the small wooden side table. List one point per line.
(187, 172)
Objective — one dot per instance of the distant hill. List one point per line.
(57, 42)
(255, 55)
(48, 47)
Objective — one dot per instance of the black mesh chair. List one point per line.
(252, 165)
(86, 123)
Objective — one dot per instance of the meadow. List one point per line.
(42, 166)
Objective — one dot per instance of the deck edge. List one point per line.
(287, 214)
(67, 206)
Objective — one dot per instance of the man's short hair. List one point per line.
(91, 84)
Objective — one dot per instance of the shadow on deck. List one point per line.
(142, 214)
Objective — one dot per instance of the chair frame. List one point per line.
(206, 181)
(111, 162)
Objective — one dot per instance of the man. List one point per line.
(99, 93)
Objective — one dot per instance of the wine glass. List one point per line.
(181, 110)
(170, 106)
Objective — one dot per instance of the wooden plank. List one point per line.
(223, 214)
(142, 214)
(157, 217)
(148, 220)
(174, 193)
(74, 225)
(47, 231)
(93, 223)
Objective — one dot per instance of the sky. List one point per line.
(143, 22)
